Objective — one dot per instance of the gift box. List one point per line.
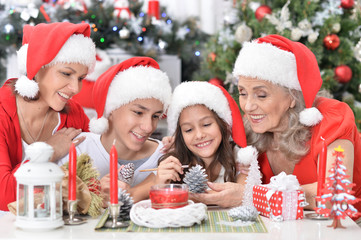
(280, 200)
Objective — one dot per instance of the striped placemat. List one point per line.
(212, 224)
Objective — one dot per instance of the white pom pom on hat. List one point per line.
(284, 62)
(134, 78)
(47, 44)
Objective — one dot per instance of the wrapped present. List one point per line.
(280, 200)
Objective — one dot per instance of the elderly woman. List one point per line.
(37, 106)
(285, 118)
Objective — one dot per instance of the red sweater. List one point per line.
(338, 123)
(11, 143)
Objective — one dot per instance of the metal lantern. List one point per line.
(39, 198)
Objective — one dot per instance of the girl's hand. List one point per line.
(167, 142)
(169, 170)
(61, 141)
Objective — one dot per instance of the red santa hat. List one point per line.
(48, 44)
(217, 99)
(135, 78)
(284, 62)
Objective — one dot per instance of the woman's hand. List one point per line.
(167, 142)
(242, 169)
(225, 195)
(169, 170)
(61, 141)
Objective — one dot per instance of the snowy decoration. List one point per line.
(254, 5)
(136, 25)
(73, 4)
(336, 27)
(182, 32)
(30, 11)
(164, 26)
(244, 213)
(296, 34)
(312, 37)
(124, 33)
(243, 33)
(329, 8)
(304, 29)
(196, 179)
(283, 21)
(231, 16)
(226, 38)
(126, 173)
(357, 51)
(121, 9)
(127, 202)
(338, 190)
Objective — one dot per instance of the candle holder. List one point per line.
(113, 221)
(315, 215)
(71, 219)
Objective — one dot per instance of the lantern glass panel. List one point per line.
(41, 201)
(59, 201)
(23, 198)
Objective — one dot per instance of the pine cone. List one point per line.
(127, 201)
(126, 173)
(244, 213)
(196, 179)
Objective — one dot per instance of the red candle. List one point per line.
(113, 175)
(153, 9)
(72, 173)
(322, 167)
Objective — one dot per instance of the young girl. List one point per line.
(129, 98)
(203, 117)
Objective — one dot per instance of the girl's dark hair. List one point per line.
(11, 84)
(224, 154)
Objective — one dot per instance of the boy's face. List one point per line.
(133, 123)
(200, 131)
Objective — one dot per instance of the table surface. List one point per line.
(297, 229)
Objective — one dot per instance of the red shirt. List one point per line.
(338, 123)
(11, 143)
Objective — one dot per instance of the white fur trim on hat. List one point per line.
(26, 87)
(98, 125)
(246, 155)
(310, 116)
(100, 66)
(138, 82)
(267, 62)
(77, 49)
(21, 58)
(192, 93)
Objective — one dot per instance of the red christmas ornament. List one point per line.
(331, 41)
(347, 4)
(216, 81)
(262, 11)
(343, 74)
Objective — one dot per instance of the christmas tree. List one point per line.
(114, 23)
(338, 192)
(330, 28)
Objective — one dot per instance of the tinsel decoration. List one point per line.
(357, 51)
(126, 173)
(244, 213)
(127, 200)
(196, 179)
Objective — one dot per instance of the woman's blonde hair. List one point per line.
(293, 142)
